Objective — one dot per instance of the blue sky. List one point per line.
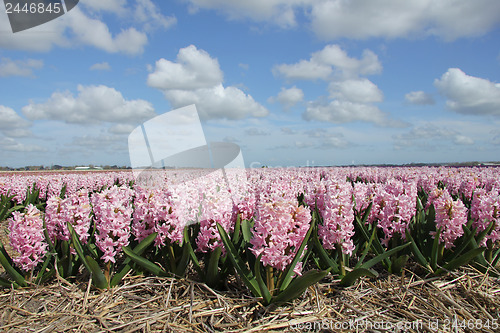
(302, 82)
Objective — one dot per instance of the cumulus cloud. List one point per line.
(339, 112)
(468, 94)
(121, 129)
(356, 90)
(9, 144)
(9, 67)
(288, 97)
(352, 96)
(419, 98)
(429, 135)
(332, 60)
(102, 66)
(90, 31)
(278, 12)
(83, 26)
(334, 19)
(13, 125)
(93, 104)
(327, 138)
(196, 78)
(147, 13)
(193, 69)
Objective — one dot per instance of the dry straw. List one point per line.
(463, 301)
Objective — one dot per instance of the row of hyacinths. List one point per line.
(112, 211)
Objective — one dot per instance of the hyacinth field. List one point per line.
(273, 232)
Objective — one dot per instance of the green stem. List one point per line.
(171, 255)
(440, 253)
(341, 260)
(488, 254)
(270, 279)
(107, 272)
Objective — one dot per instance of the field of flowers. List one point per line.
(278, 230)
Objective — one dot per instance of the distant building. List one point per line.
(88, 168)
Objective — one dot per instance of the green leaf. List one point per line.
(98, 277)
(482, 234)
(367, 249)
(352, 276)
(299, 285)
(63, 191)
(264, 290)
(435, 250)
(465, 241)
(144, 263)
(91, 265)
(246, 230)
(288, 272)
(183, 261)
(138, 249)
(13, 273)
(187, 244)
(237, 228)
(416, 251)
(398, 263)
(323, 255)
(213, 267)
(7, 283)
(460, 261)
(240, 266)
(496, 257)
(43, 270)
(382, 256)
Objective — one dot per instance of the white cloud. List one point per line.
(9, 67)
(83, 26)
(12, 125)
(9, 144)
(101, 66)
(114, 6)
(148, 14)
(393, 18)
(303, 70)
(90, 31)
(278, 12)
(468, 94)
(339, 112)
(419, 98)
(196, 78)
(288, 97)
(330, 63)
(431, 136)
(194, 69)
(217, 102)
(121, 129)
(463, 140)
(352, 95)
(93, 104)
(334, 19)
(356, 90)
